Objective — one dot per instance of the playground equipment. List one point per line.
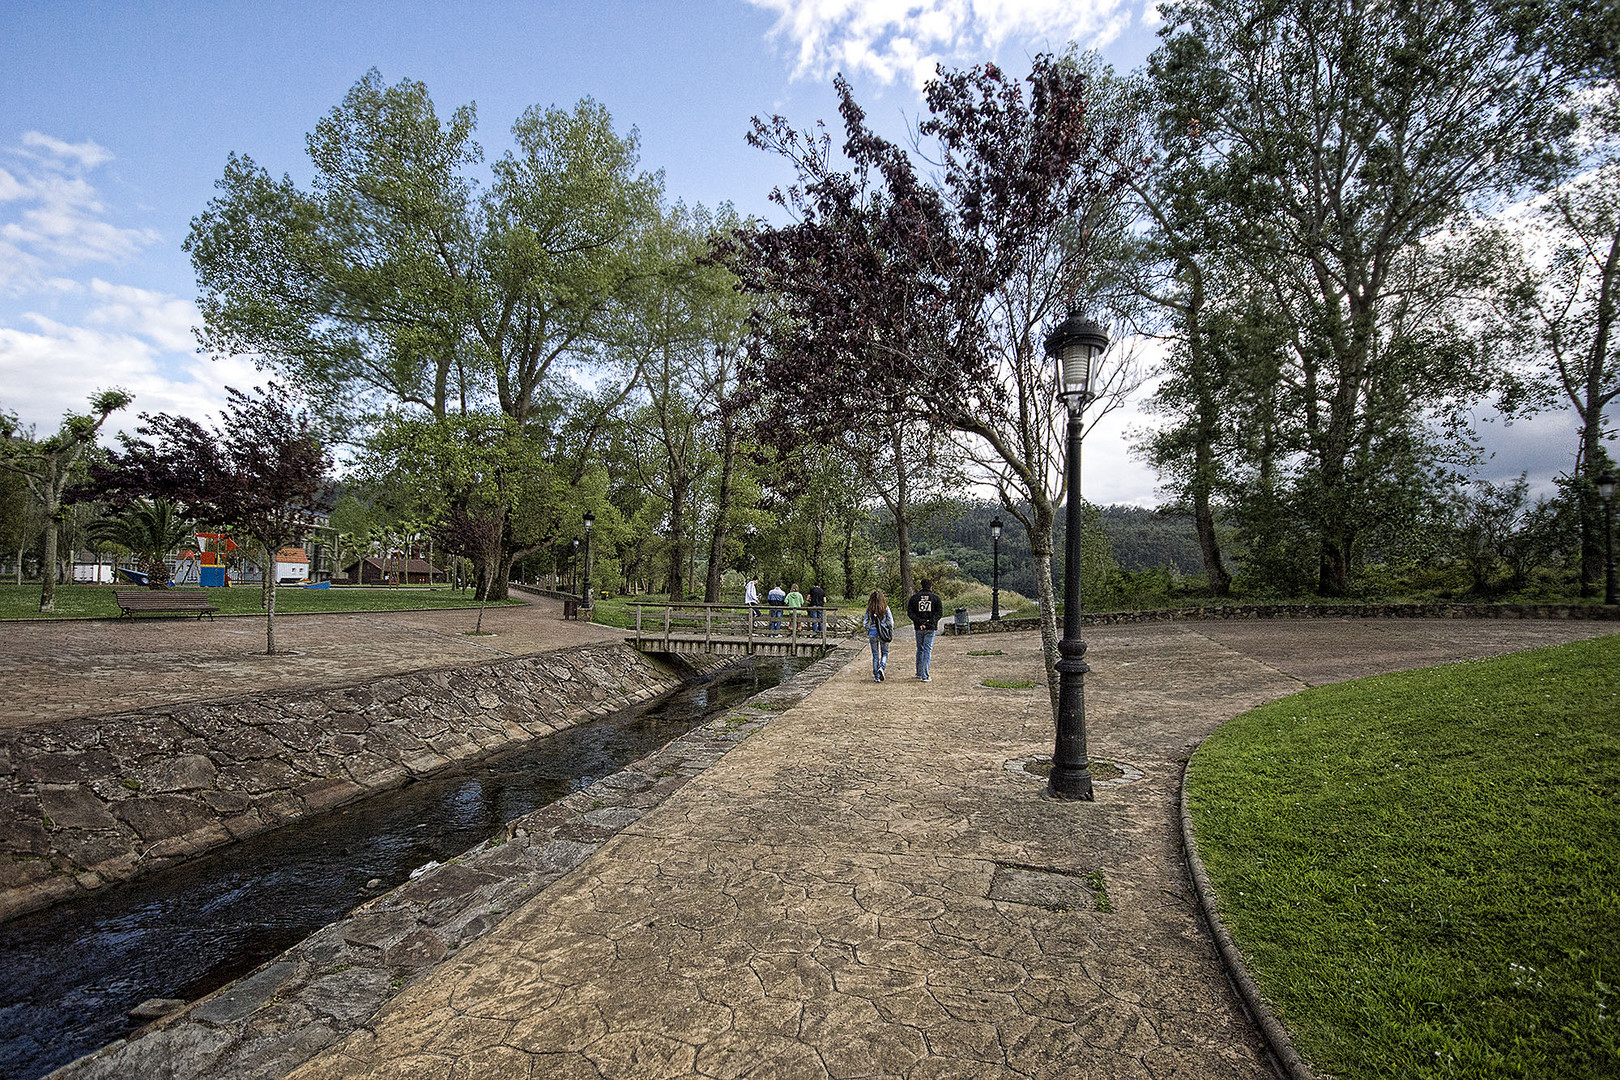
(212, 551)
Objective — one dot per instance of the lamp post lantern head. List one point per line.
(1605, 485)
(995, 528)
(590, 519)
(1075, 343)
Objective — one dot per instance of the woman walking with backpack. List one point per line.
(880, 630)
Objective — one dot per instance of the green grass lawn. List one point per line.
(1423, 870)
(97, 600)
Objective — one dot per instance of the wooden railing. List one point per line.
(736, 628)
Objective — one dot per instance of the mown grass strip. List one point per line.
(1422, 870)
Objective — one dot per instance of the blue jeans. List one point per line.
(925, 651)
(880, 655)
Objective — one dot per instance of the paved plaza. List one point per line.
(873, 886)
(59, 670)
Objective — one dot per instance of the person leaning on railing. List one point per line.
(776, 597)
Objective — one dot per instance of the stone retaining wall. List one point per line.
(109, 798)
(1316, 611)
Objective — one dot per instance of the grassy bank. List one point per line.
(78, 601)
(1422, 869)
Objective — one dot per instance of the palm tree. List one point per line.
(150, 529)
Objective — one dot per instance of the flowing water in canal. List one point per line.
(69, 974)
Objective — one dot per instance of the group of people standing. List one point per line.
(778, 598)
(923, 609)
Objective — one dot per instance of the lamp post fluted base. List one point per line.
(1071, 768)
(1073, 785)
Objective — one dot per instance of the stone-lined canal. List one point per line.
(70, 974)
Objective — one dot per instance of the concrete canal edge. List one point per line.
(109, 798)
(282, 1014)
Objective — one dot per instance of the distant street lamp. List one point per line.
(995, 574)
(585, 594)
(1605, 487)
(573, 568)
(1074, 343)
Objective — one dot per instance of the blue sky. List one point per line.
(116, 119)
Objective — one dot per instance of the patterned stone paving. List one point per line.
(863, 889)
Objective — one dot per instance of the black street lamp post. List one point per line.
(1605, 487)
(585, 594)
(1074, 344)
(995, 573)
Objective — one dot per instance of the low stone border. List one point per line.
(268, 1023)
(1218, 612)
(1276, 1036)
(109, 798)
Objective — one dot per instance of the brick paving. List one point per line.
(60, 670)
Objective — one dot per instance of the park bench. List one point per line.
(132, 602)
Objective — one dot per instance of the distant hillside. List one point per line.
(1145, 539)
(1141, 539)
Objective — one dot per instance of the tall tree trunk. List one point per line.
(47, 570)
(1209, 545)
(722, 515)
(1203, 476)
(1042, 517)
(269, 601)
(902, 511)
(676, 572)
(478, 628)
(849, 558)
(1588, 467)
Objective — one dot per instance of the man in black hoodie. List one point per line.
(924, 608)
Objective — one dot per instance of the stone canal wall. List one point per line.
(108, 798)
(269, 1022)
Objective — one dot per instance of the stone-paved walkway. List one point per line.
(872, 887)
(59, 670)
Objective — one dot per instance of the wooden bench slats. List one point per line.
(163, 602)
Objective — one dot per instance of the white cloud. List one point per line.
(87, 155)
(53, 368)
(51, 216)
(165, 320)
(905, 39)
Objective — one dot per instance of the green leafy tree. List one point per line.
(49, 465)
(1563, 303)
(466, 474)
(394, 282)
(1341, 141)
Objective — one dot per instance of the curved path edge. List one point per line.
(1276, 1035)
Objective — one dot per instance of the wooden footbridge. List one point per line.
(736, 629)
